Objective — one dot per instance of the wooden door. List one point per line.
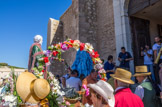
(140, 37)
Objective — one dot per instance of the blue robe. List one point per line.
(83, 63)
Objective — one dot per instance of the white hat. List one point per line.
(105, 90)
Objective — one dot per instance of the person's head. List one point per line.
(110, 58)
(94, 74)
(102, 93)
(123, 49)
(96, 98)
(102, 61)
(147, 47)
(57, 76)
(82, 76)
(140, 78)
(38, 39)
(68, 71)
(122, 78)
(157, 39)
(118, 83)
(141, 73)
(74, 73)
(63, 80)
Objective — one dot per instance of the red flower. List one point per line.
(95, 55)
(82, 45)
(55, 53)
(103, 79)
(46, 59)
(72, 41)
(70, 46)
(43, 70)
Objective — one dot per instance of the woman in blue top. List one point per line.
(109, 66)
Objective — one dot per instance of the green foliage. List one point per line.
(19, 100)
(5, 64)
(52, 100)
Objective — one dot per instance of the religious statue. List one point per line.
(35, 52)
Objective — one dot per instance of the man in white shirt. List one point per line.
(73, 81)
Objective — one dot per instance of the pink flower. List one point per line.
(86, 89)
(67, 103)
(64, 46)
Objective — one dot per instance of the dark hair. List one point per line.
(122, 47)
(82, 75)
(93, 70)
(58, 76)
(102, 60)
(110, 57)
(74, 72)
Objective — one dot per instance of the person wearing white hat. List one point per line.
(102, 94)
(35, 52)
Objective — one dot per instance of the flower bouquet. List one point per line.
(8, 94)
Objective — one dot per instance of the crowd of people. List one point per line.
(119, 90)
(102, 92)
(128, 93)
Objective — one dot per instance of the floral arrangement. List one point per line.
(101, 71)
(8, 94)
(55, 91)
(54, 53)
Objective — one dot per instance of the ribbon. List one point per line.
(86, 90)
(44, 103)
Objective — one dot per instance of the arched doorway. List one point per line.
(145, 18)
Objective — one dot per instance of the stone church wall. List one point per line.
(68, 29)
(90, 21)
(105, 30)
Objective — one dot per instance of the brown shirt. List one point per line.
(86, 81)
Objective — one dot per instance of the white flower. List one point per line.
(88, 47)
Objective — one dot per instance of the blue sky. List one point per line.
(20, 21)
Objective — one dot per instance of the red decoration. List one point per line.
(103, 79)
(55, 53)
(43, 70)
(82, 45)
(72, 41)
(46, 59)
(95, 54)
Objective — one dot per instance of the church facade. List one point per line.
(107, 25)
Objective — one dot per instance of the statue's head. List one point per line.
(38, 39)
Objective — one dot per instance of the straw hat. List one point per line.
(123, 76)
(105, 90)
(141, 71)
(31, 89)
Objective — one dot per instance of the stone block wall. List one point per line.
(90, 21)
(106, 42)
(68, 28)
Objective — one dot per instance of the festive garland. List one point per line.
(54, 52)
